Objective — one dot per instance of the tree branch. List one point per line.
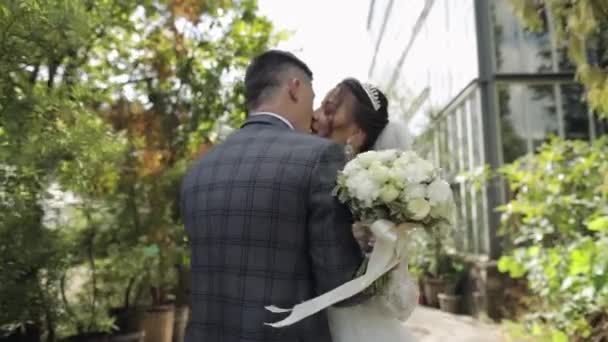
(64, 299)
(34, 74)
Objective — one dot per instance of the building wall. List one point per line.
(498, 92)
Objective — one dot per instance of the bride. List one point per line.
(356, 115)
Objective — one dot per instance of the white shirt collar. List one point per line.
(275, 116)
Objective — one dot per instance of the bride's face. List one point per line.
(334, 119)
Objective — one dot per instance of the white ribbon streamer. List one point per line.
(385, 255)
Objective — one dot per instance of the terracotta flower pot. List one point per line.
(158, 323)
(182, 314)
(138, 336)
(432, 287)
(478, 304)
(129, 319)
(105, 337)
(89, 337)
(421, 296)
(449, 303)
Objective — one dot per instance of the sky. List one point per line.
(328, 35)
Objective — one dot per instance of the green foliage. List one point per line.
(556, 230)
(108, 101)
(579, 25)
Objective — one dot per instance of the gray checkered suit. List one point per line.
(265, 230)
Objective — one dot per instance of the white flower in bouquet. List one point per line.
(386, 156)
(352, 168)
(418, 172)
(389, 193)
(419, 208)
(408, 157)
(379, 172)
(362, 187)
(367, 158)
(415, 190)
(439, 191)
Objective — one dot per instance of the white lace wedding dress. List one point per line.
(375, 320)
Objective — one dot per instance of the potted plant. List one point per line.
(182, 292)
(123, 272)
(86, 315)
(452, 274)
(442, 271)
(159, 279)
(89, 287)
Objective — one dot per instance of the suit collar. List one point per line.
(265, 118)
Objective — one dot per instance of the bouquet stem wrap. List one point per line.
(387, 253)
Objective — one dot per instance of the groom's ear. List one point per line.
(293, 87)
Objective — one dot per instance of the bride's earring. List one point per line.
(349, 151)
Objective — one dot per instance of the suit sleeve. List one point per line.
(335, 253)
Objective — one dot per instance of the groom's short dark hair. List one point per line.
(263, 74)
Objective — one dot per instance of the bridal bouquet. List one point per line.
(396, 186)
(394, 193)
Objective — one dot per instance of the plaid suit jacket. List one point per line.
(265, 229)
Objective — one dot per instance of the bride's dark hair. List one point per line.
(371, 121)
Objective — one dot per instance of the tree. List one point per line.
(110, 100)
(582, 27)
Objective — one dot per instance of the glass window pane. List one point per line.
(480, 218)
(463, 146)
(520, 51)
(528, 115)
(476, 130)
(601, 125)
(576, 115)
(453, 134)
(541, 113)
(460, 228)
(512, 123)
(443, 145)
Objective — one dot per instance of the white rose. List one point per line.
(367, 191)
(379, 172)
(408, 157)
(419, 208)
(415, 191)
(397, 173)
(439, 191)
(389, 193)
(365, 159)
(351, 168)
(385, 156)
(362, 187)
(354, 179)
(418, 172)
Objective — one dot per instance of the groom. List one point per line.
(259, 212)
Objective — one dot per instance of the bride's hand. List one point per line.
(364, 236)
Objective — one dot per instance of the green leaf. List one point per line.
(580, 262)
(151, 251)
(510, 265)
(559, 336)
(599, 224)
(533, 251)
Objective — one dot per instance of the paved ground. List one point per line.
(430, 325)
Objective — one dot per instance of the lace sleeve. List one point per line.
(399, 297)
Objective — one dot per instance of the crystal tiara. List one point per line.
(374, 95)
